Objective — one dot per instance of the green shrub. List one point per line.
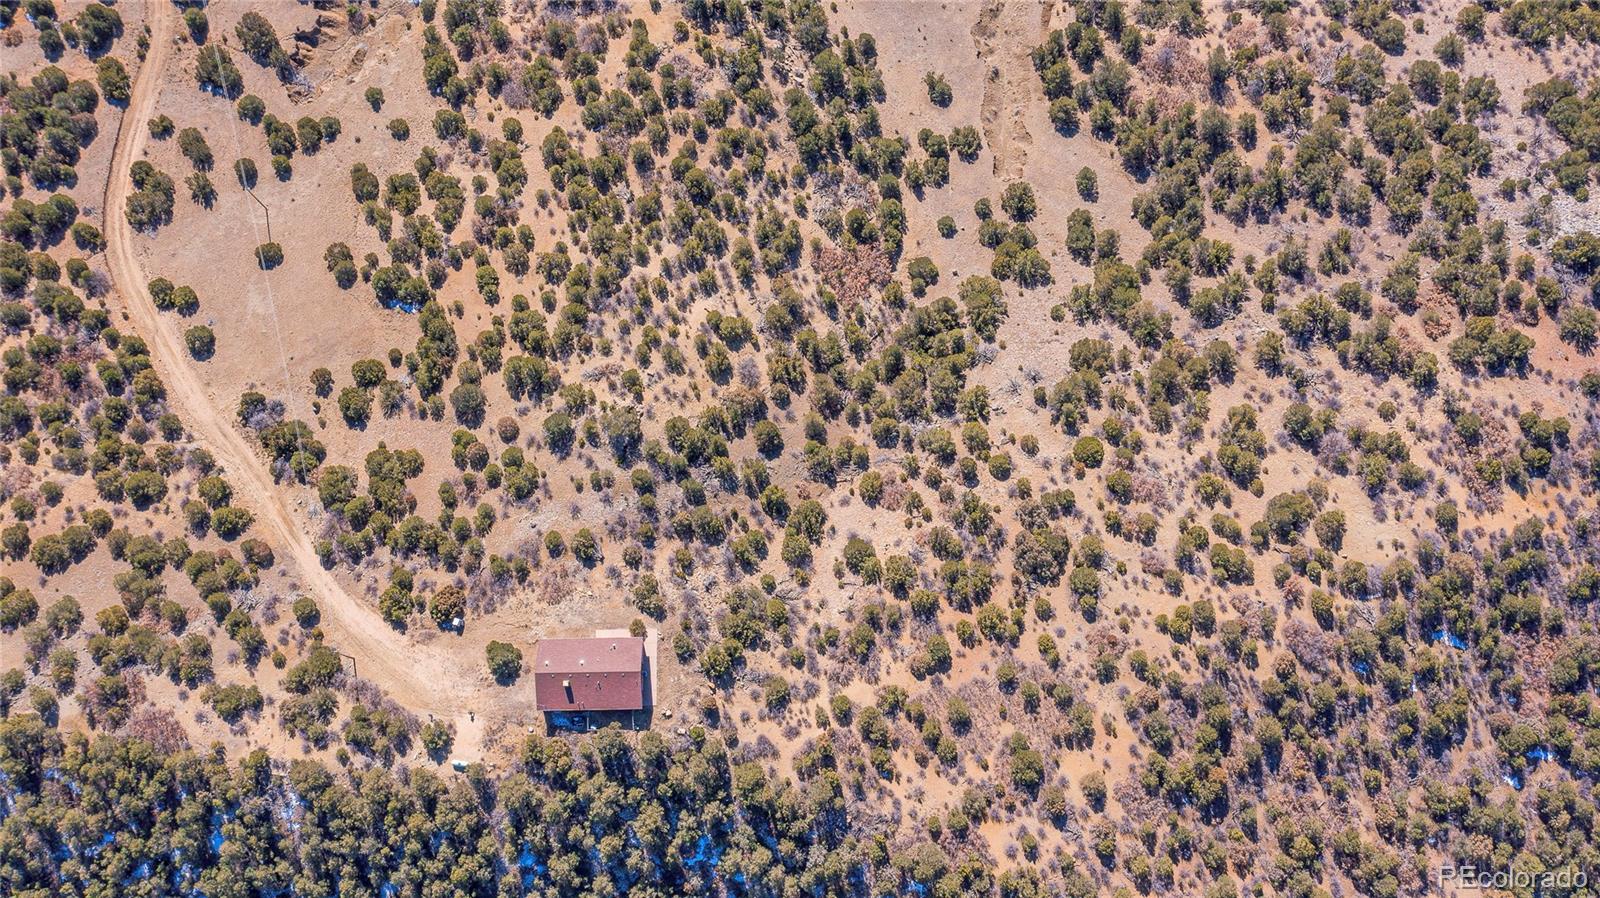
(505, 662)
(269, 255)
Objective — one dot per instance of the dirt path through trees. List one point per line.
(422, 678)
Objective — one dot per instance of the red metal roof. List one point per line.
(595, 674)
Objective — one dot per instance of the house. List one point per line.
(602, 673)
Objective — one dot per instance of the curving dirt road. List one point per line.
(422, 678)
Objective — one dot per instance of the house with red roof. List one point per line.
(600, 673)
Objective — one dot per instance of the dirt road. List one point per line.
(422, 678)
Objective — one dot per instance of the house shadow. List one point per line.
(589, 721)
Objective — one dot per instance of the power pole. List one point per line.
(264, 210)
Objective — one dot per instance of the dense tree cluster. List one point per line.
(661, 819)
